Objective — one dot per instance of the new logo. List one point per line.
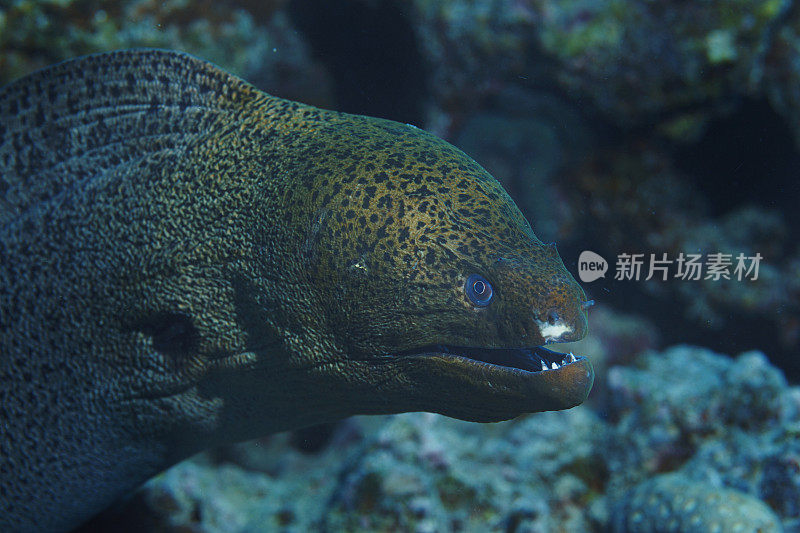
(591, 266)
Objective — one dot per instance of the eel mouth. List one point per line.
(491, 384)
(528, 360)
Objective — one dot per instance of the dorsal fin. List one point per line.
(78, 119)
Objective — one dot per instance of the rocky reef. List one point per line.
(637, 62)
(259, 44)
(672, 503)
(632, 198)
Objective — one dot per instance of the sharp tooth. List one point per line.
(554, 366)
(571, 357)
(544, 366)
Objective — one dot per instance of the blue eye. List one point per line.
(479, 290)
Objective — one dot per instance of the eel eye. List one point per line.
(479, 290)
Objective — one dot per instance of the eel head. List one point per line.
(438, 290)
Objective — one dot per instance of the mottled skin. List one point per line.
(186, 261)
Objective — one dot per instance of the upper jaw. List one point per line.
(536, 359)
(526, 360)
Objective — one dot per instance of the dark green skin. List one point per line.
(187, 261)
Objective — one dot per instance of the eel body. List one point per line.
(187, 261)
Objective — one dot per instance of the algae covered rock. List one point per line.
(671, 503)
(696, 391)
(673, 403)
(260, 45)
(634, 60)
(693, 431)
(430, 473)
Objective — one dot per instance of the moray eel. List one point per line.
(187, 261)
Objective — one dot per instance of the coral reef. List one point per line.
(630, 198)
(413, 472)
(268, 52)
(418, 473)
(671, 402)
(781, 69)
(263, 485)
(670, 503)
(636, 61)
(716, 422)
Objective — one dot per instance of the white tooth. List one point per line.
(544, 366)
(554, 366)
(571, 357)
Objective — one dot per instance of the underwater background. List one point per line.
(619, 127)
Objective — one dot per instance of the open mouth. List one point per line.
(491, 384)
(536, 359)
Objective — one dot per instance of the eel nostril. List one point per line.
(552, 317)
